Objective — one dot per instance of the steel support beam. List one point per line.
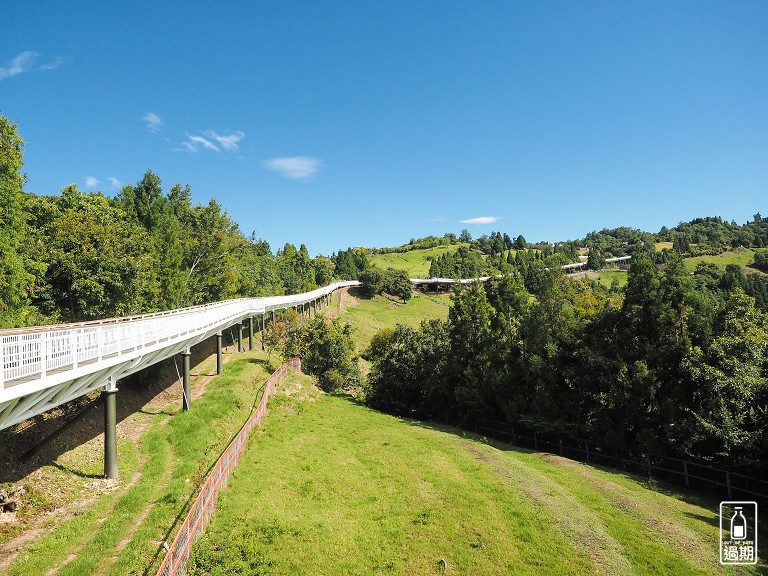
(185, 385)
(110, 430)
(250, 333)
(239, 336)
(219, 359)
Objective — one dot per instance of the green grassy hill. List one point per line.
(332, 487)
(741, 256)
(415, 262)
(369, 315)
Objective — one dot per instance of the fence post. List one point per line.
(648, 462)
(685, 472)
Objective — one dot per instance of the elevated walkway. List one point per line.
(46, 366)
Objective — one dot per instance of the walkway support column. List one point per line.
(250, 333)
(239, 336)
(185, 387)
(110, 429)
(263, 328)
(219, 359)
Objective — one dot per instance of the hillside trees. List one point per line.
(350, 263)
(677, 364)
(16, 278)
(729, 386)
(410, 374)
(98, 263)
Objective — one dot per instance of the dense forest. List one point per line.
(673, 364)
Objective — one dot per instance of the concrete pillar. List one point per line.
(250, 333)
(219, 359)
(185, 383)
(239, 336)
(110, 430)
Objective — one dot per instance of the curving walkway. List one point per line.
(46, 366)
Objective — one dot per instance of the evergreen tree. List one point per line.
(15, 279)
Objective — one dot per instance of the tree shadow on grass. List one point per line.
(267, 364)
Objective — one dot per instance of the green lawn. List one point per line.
(740, 256)
(368, 316)
(332, 487)
(122, 527)
(415, 262)
(606, 278)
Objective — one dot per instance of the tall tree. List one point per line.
(15, 280)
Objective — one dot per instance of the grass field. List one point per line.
(740, 256)
(415, 262)
(368, 316)
(331, 487)
(120, 526)
(606, 278)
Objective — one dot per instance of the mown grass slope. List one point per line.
(332, 487)
(740, 256)
(120, 526)
(369, 315)
(415, 262)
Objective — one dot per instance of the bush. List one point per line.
(329, 354)
(379, 344)
(397, 283)
(372, 281)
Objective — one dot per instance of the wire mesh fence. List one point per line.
(177, 556)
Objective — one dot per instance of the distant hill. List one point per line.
(415, 262)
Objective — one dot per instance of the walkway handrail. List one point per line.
(29, 356)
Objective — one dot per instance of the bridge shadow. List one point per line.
(41, 441)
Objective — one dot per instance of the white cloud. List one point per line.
(195, 142)
(91, 182)
(481, 220)
(227, 142)
(53, 64)
(21, 63)
(294, 167)
(115, 182)
(154, 122)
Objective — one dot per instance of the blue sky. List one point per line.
(361, 123)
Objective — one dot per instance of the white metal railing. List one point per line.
(32, 353)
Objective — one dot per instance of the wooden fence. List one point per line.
(692, 474)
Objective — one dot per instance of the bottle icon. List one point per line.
(738, 525)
